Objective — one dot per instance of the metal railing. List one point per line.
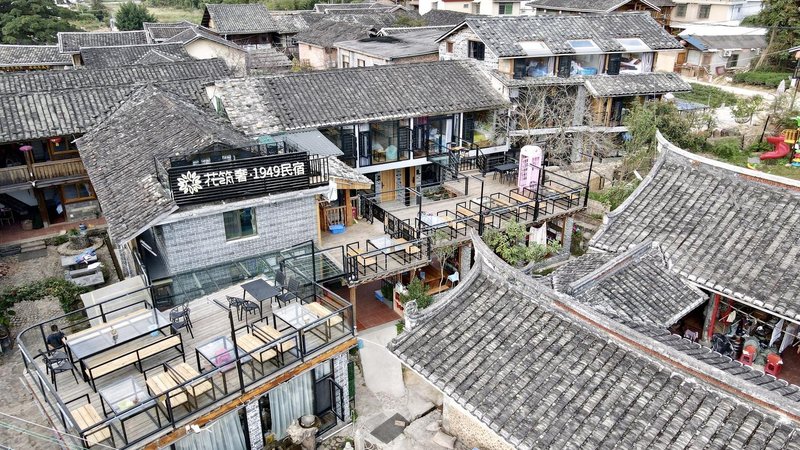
(308, 341)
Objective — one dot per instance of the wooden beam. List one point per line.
(240, 401)
(42, 204)
(348, 210)
(320, 225)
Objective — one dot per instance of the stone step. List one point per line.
(9, 250)
(31, 246)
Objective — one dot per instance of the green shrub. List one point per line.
(614, 195)
(762, 78)
(726, 149)
(55, 241)
(416, 290)
(509, 244)
(67, 293)
(759, 147)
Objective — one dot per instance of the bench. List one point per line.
(364, 261)
(87, 416)
(472, 215)
(520, 198)
(267, 333)
(252, 345)
(183, 373)
(135, 358)
(162, 382)
(501, 202)
(410, 249)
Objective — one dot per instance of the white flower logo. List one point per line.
(189, 183)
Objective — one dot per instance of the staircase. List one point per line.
(32, 246)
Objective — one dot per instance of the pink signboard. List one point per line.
(530, 163)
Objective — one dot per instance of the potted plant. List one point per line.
(416, 290)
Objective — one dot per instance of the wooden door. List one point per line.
(388, 185)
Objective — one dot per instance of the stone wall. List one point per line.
(341, 378)
(469, 430)
(199, 241)
(460, 42)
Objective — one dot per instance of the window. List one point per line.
(733, 61)
(680, 10)
(63, 144)
(361, 62)
(449, 47)
(704, 12)
(586, 65)
(240, 223)
(77, 192)
(532, 67)
(476, 49)
(506, 8)
(345, 63)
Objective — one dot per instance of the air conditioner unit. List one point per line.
(727, 53)
(757, 51)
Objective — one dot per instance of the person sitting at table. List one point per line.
(56, 338)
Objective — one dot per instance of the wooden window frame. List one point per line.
(66, 201)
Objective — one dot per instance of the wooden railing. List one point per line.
(13, 175)
(57, 169)
(335, 215)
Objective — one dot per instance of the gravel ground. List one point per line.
(16, 399)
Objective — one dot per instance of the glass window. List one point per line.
(63, 144)
(704, 12)
(361, 63)
(733, 61)
(532, 67)
(386, 141)
(680, 10)
(586, 65)
(240, 223)
(449, 47)
(506, 8)
(345, 63)
(631, 63)
(476, 50)
(77, 192)
(479, 128)
(584, 46)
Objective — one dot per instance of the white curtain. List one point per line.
(647, 62)
(224, 433)
(289, 401)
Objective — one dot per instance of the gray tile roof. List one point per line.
(193, 33)
(325, 7)
(725, 228)
(594, 6)
(501, 35)
(397, 44)
(541, 373)
(21, 83)
(54, 103)
(265, 105)
(635, 84)
(119, 155)
(104, 57)
(436, 17)
(72, 42)
(267, 59)
(160, 32)
(248, 18)
(328, 31)
(710, 43)
(636, 286)
(32, 55)
(290, 22)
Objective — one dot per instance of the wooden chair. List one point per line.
(321, 311)
(253, 345)
(162, 383)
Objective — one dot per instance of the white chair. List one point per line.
(454, 278)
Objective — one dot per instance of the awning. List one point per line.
(311, 141)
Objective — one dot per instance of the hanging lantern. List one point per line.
(55, 140)
(26, 148)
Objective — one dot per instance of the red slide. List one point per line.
(781, 148)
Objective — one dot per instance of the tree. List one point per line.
(131, 16)
(783, 17)
(443, 249)
(99, 10)
(33, 21)
(566, 111)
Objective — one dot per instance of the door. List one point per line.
(388, 186)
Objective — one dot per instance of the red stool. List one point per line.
(774, 364)
(748, 354)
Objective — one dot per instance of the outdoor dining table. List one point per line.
(100, 338)
(220, 353)
(387, 245)
(505, 169)
(261, 291)
(123, 396)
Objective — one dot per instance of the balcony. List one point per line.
(43, 171)
(227, 354)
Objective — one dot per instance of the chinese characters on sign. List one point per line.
(191, 182)
(245, 177)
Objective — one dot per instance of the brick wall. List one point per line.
(197, 242)
(460, 42)
(341, 378)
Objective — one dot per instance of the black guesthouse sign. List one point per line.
(247, 177)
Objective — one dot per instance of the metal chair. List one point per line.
(280, 280)
(248, 307)
(57, 362)
(235, 302)
(291, 292)
(180, 319)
